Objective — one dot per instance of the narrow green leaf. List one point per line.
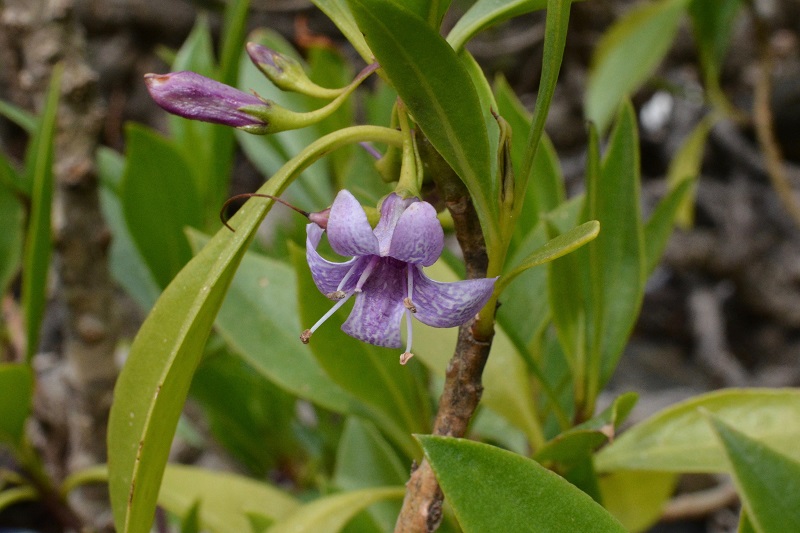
(152, 386)
(365, 369)
(329, 514)
(637, 498)
(38, 241)
(339, 13)
(233, 40)
(159, 198)
(678, 439)
(190, 522)
(627, 54)
(553, 249)
(25, 120)
(685, 166)
(16, 382)
(745, 524)
(658, 228)
(12, 220)
(438, 91)
(514, 493)
(620, 259)
(15, 495)
(486, 13)
(768, 481)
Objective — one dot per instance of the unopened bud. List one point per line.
(320, 218)
(286, 72)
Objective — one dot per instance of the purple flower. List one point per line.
(386, 271)
(190, 95)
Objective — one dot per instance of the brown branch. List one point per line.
(422, 506)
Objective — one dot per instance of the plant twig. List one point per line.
(422, 506)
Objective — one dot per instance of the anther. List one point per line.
(408, 304)
(306, 336)
(336, 295)
(405, 357)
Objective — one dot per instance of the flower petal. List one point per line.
(446, 305)
(379, 308)
(349, 231)
(327, 274)
(418, 237)
(391, 210)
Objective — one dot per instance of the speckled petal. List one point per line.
(349, 231)
(378, 310)
(418, 237)
(327, 274)
(391, 210)
(446, 305)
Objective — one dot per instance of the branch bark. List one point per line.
(422, 506)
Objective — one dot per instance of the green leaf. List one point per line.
(339, 13)
(153, 384)
(9, 497)
(329, 514)
(745, 524)
(577, 443)
(12, 220)
(233, 40)
(366, 368)
(365, 459)
(767, 480)
(678, 439)
(637, 498)
(627, 54)
(553, 249)
(685, 166)
(38, 240)
(25, 120)
(486, 13)
(16, 382)
(159, 198)
(514, 493)
(658, 228)
(618, 253)
(438, 91)
(260, 321)
(224, 499)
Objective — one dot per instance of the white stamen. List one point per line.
(347, 276)
(407, 354)
(307, 333)
(373, 262)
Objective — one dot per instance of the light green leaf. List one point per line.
(637, 498)
(627, 54)
(25, 120)
(438, 91)
(38, 239)
(9, 497)
(745, 524)
(514, 494)
(486, 13)
(159, 198)
(658, 228)
(16, 382)
(233, 40)
(339, 13)
(330, 514)
(685, 166)
(768, 481)
(678, 439)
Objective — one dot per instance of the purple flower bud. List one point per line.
(190, 95)
(264, 57)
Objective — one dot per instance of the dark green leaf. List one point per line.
(234, 36)
(713, 23)
(627, 54)
(12, 220)
(438, 91)
(16, 382)
(159, 200)
(768, 481)
(38, 240)
(678, 439)
(514, 493)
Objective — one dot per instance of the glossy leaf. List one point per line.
(365, 459)
(514, 493)
(678, 439)
(358, 367)
(637, 498)
(159, 198)
(438, 91)
(767, 480)
(685, 166)
(486, 13)
(329, 514)
(260, 321)
(16, 382)
(627, 54)
(224, 499)
(152, 387)
(38, 238)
